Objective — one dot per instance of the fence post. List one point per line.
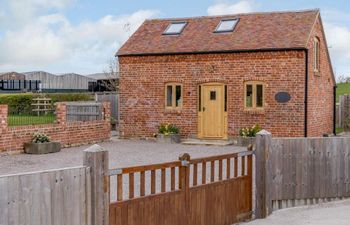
(263, 204)
(96, 158)
(61, 113)
(3, 117)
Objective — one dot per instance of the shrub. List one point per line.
(167, 129)
(40, 138)
(21, 103)
(250, 132)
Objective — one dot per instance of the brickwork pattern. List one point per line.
(68, 133)
(143, 79)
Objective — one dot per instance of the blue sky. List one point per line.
(81, 36)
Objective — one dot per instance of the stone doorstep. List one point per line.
(193, 141)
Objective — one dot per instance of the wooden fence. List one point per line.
(300, 171)
(54, 197)
(113, 98)
(84, 111)
(213, 190)
(343, 111)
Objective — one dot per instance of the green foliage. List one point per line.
(167, 129)
(22, 120)
(342, 89)
(250, 131)
(20, 104)
(40, 138)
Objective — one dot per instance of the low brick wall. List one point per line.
(12, 139)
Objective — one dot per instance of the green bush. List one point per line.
(249, 131)
(21, 103)
(40, 138)
(167, 129)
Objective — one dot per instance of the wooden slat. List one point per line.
(236, 167)
(195, 174)
(172, 179)
(142, 183)
(243, 166)
(153, 181)
(204, 172)
(131, 185)
(212, 171)
(120, 187)
(228, 168)
(163, 181)
(220, 169)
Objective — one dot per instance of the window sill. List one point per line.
(172, 111)
(317, 73)
(254, 111)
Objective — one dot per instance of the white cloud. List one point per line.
(222, 8)
(338, 38)
(50, 41)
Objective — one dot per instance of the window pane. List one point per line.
(178, 96)
(249, 96)
(226, 25)
(169, 94)
(175, 28)
(259, 95)
(213, 95)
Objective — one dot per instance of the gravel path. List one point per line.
(122, 153)
(332, 213)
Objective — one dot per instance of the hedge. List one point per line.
(21, 103)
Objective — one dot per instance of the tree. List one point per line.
(111, 80)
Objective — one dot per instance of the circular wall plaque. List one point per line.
(282, 97)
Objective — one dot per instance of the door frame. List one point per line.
(200, 117)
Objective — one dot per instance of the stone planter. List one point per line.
(245, 141)
(168, 139)
(42, 148)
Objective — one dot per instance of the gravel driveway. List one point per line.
(332, 213)
(122, 153)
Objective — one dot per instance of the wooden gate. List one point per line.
(206, 191)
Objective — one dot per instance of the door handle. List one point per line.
(203, 109)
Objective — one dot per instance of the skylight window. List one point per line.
(226, 25)
(175, 28)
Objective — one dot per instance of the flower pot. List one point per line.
(42, 148)
(245, 141)
(168, 139)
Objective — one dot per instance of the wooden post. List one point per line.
(263, 204)
(96, 158)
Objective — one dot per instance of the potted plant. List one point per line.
(247, 135)
(168, 133)
(41, 144)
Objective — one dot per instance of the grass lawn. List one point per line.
(21, 120)
(343, 89)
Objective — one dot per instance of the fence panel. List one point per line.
(40, 111)
(45, 198)
(308, 170)
(212, 190)
(84, 111)
(113, 98)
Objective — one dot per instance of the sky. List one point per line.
(82, 36)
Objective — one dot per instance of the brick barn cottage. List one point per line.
(211, 76)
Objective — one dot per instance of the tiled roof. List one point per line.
(254, 31)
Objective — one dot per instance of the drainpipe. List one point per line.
(334, 110)
(306, 89)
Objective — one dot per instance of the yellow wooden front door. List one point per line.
(213, 111)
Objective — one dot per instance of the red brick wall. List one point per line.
(143, 79)
(320, 93)
(68, 133)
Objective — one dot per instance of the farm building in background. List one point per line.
(104, 82)
(60, 83)
(13, 82)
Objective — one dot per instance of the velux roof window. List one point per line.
(175, 28)
(227, 25)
